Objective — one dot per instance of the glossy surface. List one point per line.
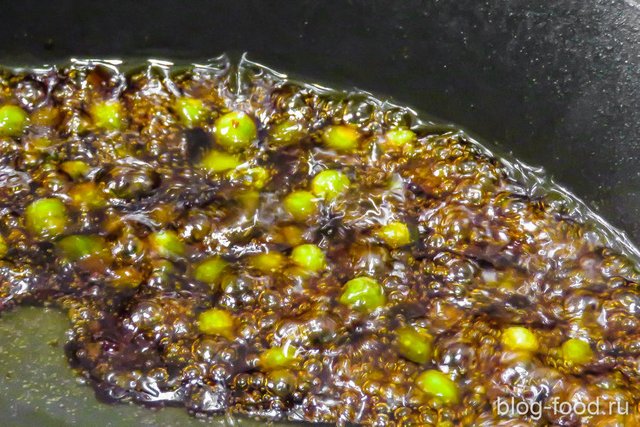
(493, 268)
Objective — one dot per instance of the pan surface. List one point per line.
(555, 83)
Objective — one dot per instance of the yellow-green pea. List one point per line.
(75, 168)
(309, 257)
(256, 177)
(209, 270)
(518, 338)
(278, 357)
(4, 248)
(13, 120)
(292, 235)
(395, 234)
(78, 247)
(217, 161)
(329, 184)
(267, 262)
(191, 111)
(250, 200)
(167, 244)
(437, 384)
(341, 138)
(364, 294)
(46, 217)
(287, 132)
(399, 138)
(577, 351)
(216, 322)
(301, 205)
(282, 382)
(415, 345)
(126, 277)
(235, 130)
(87, 196)
(107, 115)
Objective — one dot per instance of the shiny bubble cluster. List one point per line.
(231, 241)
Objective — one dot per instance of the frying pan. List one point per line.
(556, 83)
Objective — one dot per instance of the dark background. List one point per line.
(556, 82)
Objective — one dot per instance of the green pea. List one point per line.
(108, 115)
(13, 120)
(4, 248)
(78, 247)
(364, 294)
(191, 111)
(256, 177)
(217, 161)
(167, 244)
(287, 132)
(436, 384)
(250, 201)
(301, 205)
(267, 262)
(76, 169)
(126, 278)
(87, 196)
(46, 217)
(278, 357)
(329, 184)
(518, 338)
(235, 130)
(399, 138)
(281, 382)
(341, 138)
(309, 256)
(217, 322)
(577, 351)
(395, 234)
(415, 345)
(209, 270)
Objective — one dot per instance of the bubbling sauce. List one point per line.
(231, 241)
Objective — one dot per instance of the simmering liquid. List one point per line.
(232, 241)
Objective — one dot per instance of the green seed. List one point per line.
(216, 322)
(256, 177)
(126, 278)
(191, 111)
(76, 169)
(46, 217)
(107, 115)
(209, 270)
(518, 338)
(278, 357)
(13, 120)
(268, 262)
(87, 196)
(415, 345)
(436, 384)
(4, 248)
(167, 244)
(281, 382)
(301, 205)
(79, 247)
(363, 294)
(577, 351)
(217, 161)
(309, 257)
(341, 138)
(235, 130)
(329, 184)
(287, 132)
(395, 234)
(399, 138)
